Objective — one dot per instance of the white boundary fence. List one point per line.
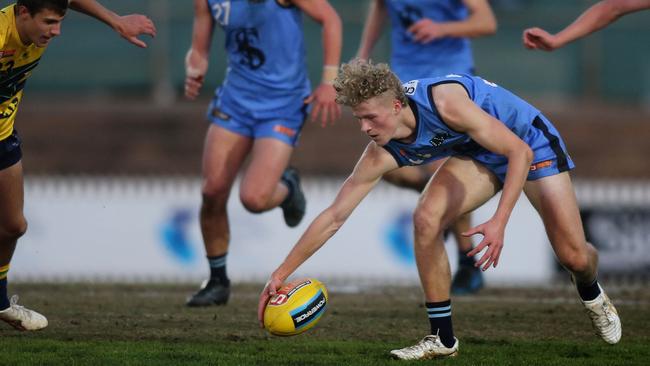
(146, 230)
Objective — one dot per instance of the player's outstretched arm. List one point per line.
(595, 18)
(372, 165)
(463, 115)
(480, 22)
(196, 60)
(372, 28)
(128, 26)
(324, 95)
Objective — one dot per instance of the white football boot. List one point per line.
(604, 317)
(429, 347)
(22, 318)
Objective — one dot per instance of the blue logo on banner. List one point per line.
(175, 236)
(399, 236)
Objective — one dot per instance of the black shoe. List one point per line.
(294, 205)
(467, 280)
(211, 293)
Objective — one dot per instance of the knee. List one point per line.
(427, 223)
(14, 229)
(580, 260)
(215, 194)
(254, 201)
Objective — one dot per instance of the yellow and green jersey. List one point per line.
(16, 64)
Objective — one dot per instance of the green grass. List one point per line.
(147, 325)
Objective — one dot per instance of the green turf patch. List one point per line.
(148, 325)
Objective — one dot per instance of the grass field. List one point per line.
(148, 325)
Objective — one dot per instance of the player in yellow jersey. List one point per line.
(26, 28)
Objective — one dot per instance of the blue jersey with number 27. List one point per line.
(266, 55)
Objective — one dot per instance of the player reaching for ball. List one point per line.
(456, 116)
(26, 29)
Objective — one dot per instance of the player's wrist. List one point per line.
(330, 72)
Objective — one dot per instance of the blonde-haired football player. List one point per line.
(494, 141)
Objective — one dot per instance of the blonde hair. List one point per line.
(360, 80)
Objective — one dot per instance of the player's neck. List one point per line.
(407, 125)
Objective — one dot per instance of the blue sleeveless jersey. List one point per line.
(411, 60)
(266, 56)
(436, 140)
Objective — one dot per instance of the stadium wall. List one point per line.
(146, 230)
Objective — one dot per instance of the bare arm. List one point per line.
(372, 28)
(128, 26)
(480, 22)
(196, 60)
(462, 115)
(374, 162)
(324, 95)
(595, 18)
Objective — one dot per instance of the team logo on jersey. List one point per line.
(250, 56)
(409, 88)
(439, 138)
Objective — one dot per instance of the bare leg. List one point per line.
(555, 200)
(261, 189)
(459, 186)
(467, 279)
(12, 222)
(553, 197)
(223, 155)
(12, 226)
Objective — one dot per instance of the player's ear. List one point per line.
(22, 10)
(397, 106)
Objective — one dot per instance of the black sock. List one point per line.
(440, 320)
(4, 299)
(588, 292)
(464, 260)
(218, 269)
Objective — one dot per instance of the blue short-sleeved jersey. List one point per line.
(266, 56)
(411, 60)
(435, 140)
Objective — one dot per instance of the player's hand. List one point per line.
(493, 232)
(539, 39)
(272, 285)
(324, 99)
(134, 25)
(426, 30)
(196, 67)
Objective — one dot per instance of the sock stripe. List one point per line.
(443, 308)
(441, 315)
(217, 262)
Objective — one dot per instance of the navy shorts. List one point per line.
(10, 152)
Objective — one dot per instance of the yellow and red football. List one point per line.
(295, 307)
